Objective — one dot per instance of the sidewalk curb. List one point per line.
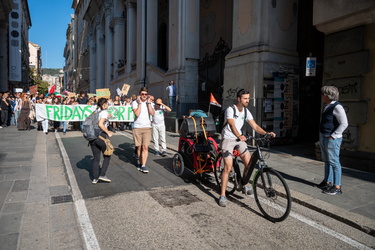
(351, 219)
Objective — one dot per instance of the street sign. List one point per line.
(310, 66)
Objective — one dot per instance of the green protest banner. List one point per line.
(80, 112)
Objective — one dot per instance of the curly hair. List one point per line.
(331, 92)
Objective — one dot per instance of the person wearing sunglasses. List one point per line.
(142, 132)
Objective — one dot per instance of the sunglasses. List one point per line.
(144, 94)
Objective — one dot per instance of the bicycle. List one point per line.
(271, 192)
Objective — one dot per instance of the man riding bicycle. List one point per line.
(232, 136)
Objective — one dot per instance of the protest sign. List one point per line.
(33, 89)
(103, 93)
(125, 89)
(80, 112)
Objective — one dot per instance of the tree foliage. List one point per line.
(35, 79)
(52, 72)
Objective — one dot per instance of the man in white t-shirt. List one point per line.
(232, 136)
(172, 92)
(158, 126)
(142, 108)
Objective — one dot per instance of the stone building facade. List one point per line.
(222, 46)
(35, 59)
(15, 23)
(5, 8)
(349, 64)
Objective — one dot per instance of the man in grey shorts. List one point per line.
(232, 136)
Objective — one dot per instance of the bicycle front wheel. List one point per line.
(272, 195)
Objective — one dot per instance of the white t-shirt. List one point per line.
(158, 118)
(171, 90)
(104, 114)
(143, 120)
(238, 121)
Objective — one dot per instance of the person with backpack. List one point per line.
(98, 146)
(232, 136)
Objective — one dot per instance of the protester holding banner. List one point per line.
(142, 133)
(45, 122)
(56, 124)
(82, 99)
(64, 123)
(116, 102)
(98, 146)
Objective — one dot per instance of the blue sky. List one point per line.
(50, 19)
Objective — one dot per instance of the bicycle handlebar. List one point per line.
(263, 138)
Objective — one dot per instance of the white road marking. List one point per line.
(331, 232)
(92, 242)
(79, 203)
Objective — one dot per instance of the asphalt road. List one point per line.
(159, 210)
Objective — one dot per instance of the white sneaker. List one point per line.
(104, 178)
(94, 181)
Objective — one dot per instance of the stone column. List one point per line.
(141, 36)
(109, 64)
(92, 64)
(100, 81)
(131, 35)
(119, 44)
(151, 31)
(184, 51)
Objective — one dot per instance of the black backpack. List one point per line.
(91, 128)
(246, 128)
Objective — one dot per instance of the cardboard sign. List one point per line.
(71, 94)
(125, 89)
(33, 89)
(91, 95)
(103, 93)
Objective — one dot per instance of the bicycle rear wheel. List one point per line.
(272, 195)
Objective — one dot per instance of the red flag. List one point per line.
(52, 89)
(213, 100)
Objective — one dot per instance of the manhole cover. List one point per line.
(173, 198)
(61, 199)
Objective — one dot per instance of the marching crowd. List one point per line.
(149, 124)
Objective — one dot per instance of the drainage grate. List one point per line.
(61, 199)
(174, 198)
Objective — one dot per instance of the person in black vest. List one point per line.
(332, 125)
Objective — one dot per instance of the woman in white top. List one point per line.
(98, 146)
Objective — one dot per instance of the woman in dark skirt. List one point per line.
(24, 119)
